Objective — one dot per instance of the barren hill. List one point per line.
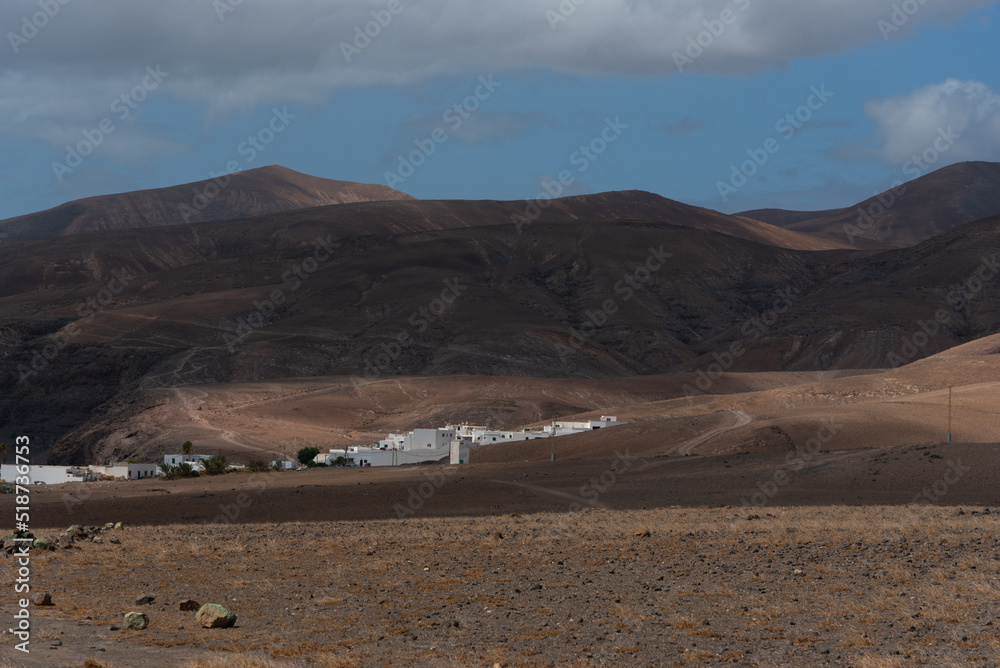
(916, 211)
(238, 195)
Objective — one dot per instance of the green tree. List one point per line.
(306, 455)
(215, 465)
(187, 447)
(257, 466)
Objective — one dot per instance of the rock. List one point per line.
(109, 525)
(114, 540)
(643, 534)
(118, 525)
(42, 598)
(136, 621)
(215, 616)
(43, 544)
(145, 599)
(187, 605)
(96, 539)
(73, 533)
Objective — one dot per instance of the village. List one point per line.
(451, 444)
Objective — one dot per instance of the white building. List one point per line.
(48, 475)
(459, 451)
(126, 471)
(194, 460)
(452, 442)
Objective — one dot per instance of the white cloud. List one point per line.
(911, 124)
(291, 52)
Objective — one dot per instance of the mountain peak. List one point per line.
(253, 192)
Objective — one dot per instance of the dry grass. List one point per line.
(306, 595)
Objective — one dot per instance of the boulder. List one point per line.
(215, 616)
(136, 621)
(187, 605)
(44, 544)
(42, 598)
(145, 599)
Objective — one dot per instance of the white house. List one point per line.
(126, 471)
(48, 475)
(194, 460)
(452, 442)
(459, 451)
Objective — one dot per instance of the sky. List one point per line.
(727, 104)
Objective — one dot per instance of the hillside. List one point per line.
(923, 208)
(239, 195)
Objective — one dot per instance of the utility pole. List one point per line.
(949, 413)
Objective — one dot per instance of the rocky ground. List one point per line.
(820, 586)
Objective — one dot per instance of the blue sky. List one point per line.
(201, 77)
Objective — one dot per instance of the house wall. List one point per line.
(38, 474)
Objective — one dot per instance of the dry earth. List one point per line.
(835, 586)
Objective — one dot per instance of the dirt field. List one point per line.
(835, 586)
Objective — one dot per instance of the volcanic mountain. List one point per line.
(905, 215)
(238, 195)
(97, 327)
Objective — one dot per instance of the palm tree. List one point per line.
(187, 447)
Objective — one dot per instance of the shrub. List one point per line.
(175, 471)
(257, 466)
(215, 465)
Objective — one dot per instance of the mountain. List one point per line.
(916, 211)
(238, 195)
(77, 259)
(96, 327)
